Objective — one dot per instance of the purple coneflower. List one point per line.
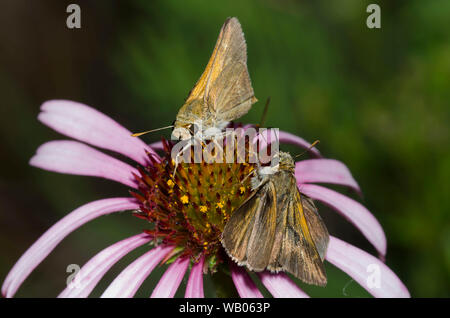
(185, 213)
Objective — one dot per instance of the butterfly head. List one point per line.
(281, 161)
(286, 161)
(181, 131)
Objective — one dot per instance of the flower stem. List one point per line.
(224, 284)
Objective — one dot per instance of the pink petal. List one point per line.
(169, 282)
(194, 287)
(72, 157)
(131, 278)
(245, 286)
(353, 211)
(269, 136)
(91, 126)
(281, 286)
(367, 270)
(50, 239)
(91, 273)
(158, 145)
(325, 171)
(287, 138)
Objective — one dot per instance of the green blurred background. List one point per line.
(378, 99)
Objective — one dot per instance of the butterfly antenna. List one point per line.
(309, 148)
(264, 115)
(149, 131)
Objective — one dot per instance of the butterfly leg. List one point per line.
(179, 154)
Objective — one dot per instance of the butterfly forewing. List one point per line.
(230, 46)
(230, 49)
(224, 91)
(248, 235)
(263, 232)
(233, 96)
(297, 253)
(317, 228)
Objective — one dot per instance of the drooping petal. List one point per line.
(87, 124)
(270, 135)
(245, 286)
(131, 278)
(171, 279)
(157, 145)
(287, 138)
(281, 286)
(50, 239)
(194, 287)
(325, 171)
(367, 270)
(73, 157)
(91, 273)
(353, 211)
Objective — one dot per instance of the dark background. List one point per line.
(378, 99)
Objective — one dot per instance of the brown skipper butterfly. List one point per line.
(277, 228)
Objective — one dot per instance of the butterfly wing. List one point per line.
(294, 248)
(231, 95)
(226, 72)
(230, 47)
(249, 233)
(279, 229)
(317, 228)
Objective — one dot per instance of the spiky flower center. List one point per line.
(190, 208)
